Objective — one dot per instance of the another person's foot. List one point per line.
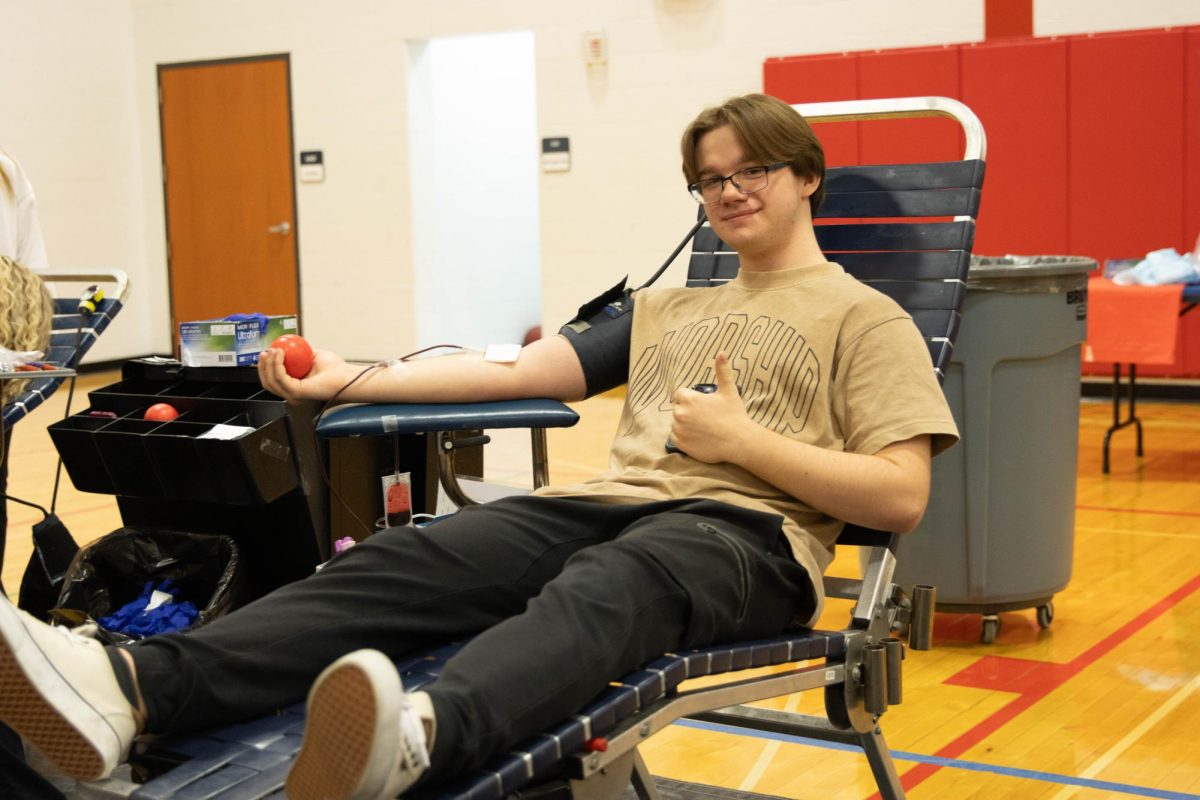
(58, 690)
(363, 739)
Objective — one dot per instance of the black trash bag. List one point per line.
(53, 551)
(205, 569)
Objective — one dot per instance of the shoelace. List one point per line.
(83, 634)
(413, 752)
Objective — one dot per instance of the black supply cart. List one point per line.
(262, 485)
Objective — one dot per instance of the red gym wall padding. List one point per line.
(820, 79)
(1127, 152)
(1189, 329)
(1125, 124)
(1026, 187)
(903, 73)
(1093, 141)
(1191, 132)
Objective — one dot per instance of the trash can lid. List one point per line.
(1019, 267)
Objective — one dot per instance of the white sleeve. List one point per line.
(20, 231)
(31, 250)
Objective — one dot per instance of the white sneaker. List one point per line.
(58, 690)
(363, 739)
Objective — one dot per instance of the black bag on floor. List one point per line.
(53, 551)
(205, 570)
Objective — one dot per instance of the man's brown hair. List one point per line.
(769, 131)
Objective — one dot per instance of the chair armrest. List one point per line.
(387, 418)
(877, 557)
(868, 537)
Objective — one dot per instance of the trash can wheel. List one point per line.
(1045, 614)
(991, 628)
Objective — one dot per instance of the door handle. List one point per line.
(283, 228)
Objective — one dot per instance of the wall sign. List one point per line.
(556, 154)
(312, 166)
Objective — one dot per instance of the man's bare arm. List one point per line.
(546, 368)
(887, 490)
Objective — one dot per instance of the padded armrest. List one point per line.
(386, 418)
(868, 537)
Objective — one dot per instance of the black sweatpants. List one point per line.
(562, 596)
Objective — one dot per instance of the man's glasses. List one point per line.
(746, 181)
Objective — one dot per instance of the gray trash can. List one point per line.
(1000, 526)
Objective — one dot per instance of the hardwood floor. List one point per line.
(32, 463)
(1102, 704)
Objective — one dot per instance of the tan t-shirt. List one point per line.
(817, 356)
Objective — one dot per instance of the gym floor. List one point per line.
(1102, 704)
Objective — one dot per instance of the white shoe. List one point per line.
(58, 690)
(363, 739)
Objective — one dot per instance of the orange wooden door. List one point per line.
(230, 201)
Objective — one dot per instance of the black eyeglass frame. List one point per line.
(697, 195)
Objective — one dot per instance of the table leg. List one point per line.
(1119, 423)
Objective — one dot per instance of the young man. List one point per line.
(825, 410)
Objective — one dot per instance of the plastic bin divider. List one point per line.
(123, 397)
(260, 413)
(132, 394)
(188, 389)
(211, 413)
(122, 446)
(75, 439)
(180, 463)
(233, 391)
(134, 386)
(206, 470)
(138, 410)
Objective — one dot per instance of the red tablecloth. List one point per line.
(1132, 324)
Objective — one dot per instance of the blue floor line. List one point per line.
(974, 766)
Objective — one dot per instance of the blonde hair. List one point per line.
(26, 312)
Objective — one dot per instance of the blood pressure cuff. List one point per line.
(600, 335)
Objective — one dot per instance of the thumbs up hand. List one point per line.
(710, 426)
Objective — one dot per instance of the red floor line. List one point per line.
(1021, 702)
(1122, 633)
(1157, 512)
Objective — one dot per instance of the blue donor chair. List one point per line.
(906, 229)
(85, 302)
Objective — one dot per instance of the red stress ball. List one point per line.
(297, 354)
(161, 412)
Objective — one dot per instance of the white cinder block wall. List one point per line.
(68, 115)
(79, 109)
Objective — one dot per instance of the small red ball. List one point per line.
(297, 354)
(161, 412)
